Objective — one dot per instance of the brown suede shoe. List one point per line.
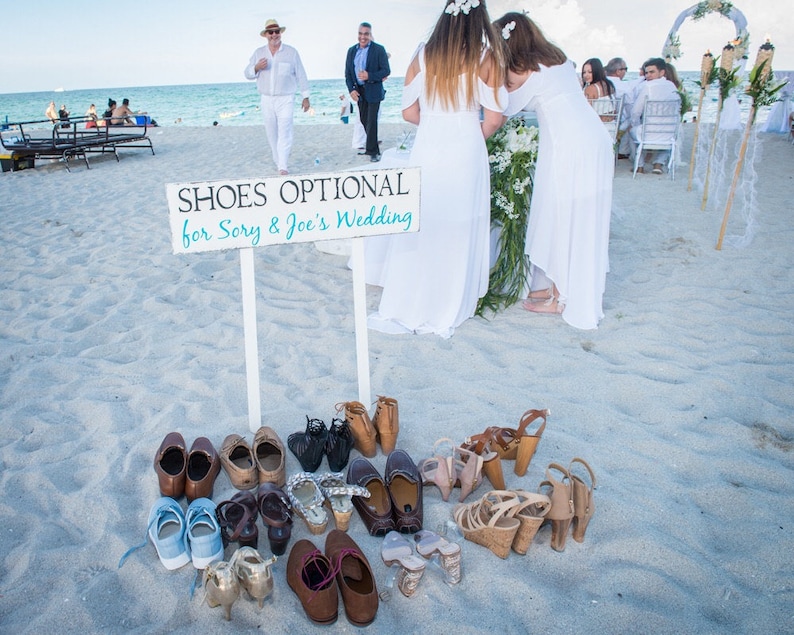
(387, 423)
(269, 457)
(238, 462)
(375, 511)
(405, 489)
(354, 578)
(203, 465)
(311, 576)
(364, 433)
(170, 464)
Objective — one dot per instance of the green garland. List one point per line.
(762, 87)
(707, 6)
(512, 153)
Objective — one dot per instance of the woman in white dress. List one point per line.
(568, 229)
(432, 279)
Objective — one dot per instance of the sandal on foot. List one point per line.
(428, 543)
(274, 507)
(307, 500)
(396, 550)
(530, 512)
(488, 522)
(338, 496)
(562, 509)
(528, 443)
(583, 505)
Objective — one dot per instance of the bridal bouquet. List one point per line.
(512, 153)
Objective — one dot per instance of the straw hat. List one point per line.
(272, 24)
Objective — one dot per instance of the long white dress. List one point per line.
(432, 279)
(568, 229)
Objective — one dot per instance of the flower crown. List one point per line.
(507, 28)
(456, 6)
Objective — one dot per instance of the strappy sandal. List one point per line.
(308, 446)
(396, 550)
(439, 469)
(562, 509)
(469, 471)
(253, 573)
(429, 543)
(221, 586)
(338, 496)
(276, 513)
(482, 445)
(307, 500)
(489, 522)
(530, 512)
(528, 443)
(583, 505)
(237, 519)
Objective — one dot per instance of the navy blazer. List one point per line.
(377, 68)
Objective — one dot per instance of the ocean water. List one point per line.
(237, 104)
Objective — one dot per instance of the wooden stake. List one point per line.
(711, 155)
(695, 140)
(737, 172)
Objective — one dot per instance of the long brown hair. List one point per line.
(527, 47)
(456, 48)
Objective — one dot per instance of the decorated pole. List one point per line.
(726, 66)
(706, 70)
(763, 94)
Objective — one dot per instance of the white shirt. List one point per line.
(660, 89)
(283, 75)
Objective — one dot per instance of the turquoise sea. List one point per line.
(237, 104)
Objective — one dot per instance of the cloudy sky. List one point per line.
(80, 44)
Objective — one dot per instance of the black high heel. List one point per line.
(338, 445)
(308, 446)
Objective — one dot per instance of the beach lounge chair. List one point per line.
(45, 140)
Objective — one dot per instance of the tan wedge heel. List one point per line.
(562, 509)
(528, 443)
(531, 513)
(364, 434)
(488, 522)
(386, 422)
(583, 505)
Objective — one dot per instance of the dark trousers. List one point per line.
(368, 113)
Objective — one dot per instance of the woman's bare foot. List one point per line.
(549, 306)
(540, 294)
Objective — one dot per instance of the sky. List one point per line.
(49, 44)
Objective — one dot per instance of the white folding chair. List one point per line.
(661, 121)
(609, 110)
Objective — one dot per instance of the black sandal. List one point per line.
(337, 447)
(308, 446)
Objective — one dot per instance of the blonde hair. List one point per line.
(456, 48)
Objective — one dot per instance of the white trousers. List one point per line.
(277, 114)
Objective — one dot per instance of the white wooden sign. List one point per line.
(246, 213)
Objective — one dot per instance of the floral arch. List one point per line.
(672, 46)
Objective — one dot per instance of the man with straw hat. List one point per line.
(279, 73)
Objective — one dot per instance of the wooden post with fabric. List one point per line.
(706, 77)
(726, 66)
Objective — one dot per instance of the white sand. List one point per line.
(681, 401)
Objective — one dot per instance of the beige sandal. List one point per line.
(489, 522)
(562, 509)
(528, 443)
(307, 500)
(338, 496)
(583, 505)
(530, 512)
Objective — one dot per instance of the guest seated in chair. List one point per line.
(656, 87)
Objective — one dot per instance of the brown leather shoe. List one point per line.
(387, 423)
(375, 511)
(405, 489)
(354, 578)
(238, 462)
(170, 464)
(311, 576)
(203, 465)
(269, 457)
(361, 426)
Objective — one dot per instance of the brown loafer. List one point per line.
(238, 462)
(375, 511)
(354, 578)
(269, 457)
(311, 577)
(170, 464)
(405, 489)
(203, 465)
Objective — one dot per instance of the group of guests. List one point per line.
(658, 81)
(114, 115)
(460, 87)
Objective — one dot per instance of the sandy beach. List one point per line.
(681, 401)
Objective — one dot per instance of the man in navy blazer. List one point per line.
(366, 67)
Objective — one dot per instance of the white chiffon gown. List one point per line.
(432, 279)
(568, 229)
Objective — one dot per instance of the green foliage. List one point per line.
(762, 88)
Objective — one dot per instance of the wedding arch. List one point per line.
(672, 45)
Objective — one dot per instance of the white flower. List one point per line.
(456, 6)
(508, 27)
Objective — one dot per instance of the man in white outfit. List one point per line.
(279, 73)
(616, 70)
(655, 88)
